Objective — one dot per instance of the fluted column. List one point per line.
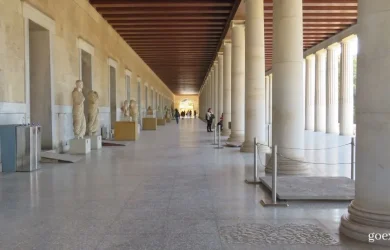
(227, 93)
(238, 83)
(287, 64)
(216, 93)
(212, 89)
(332, 90)
(267, 100)
(369, 214)
(270, 98)
(254, 76)
(346, 88)
(310, 92)
(320, 97)
(220, 83)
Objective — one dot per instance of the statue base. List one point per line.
(80, 146)
(149, 123)
(126, 131)
(96, 142)
(167, 120)
(161, 122)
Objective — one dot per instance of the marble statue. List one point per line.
(125, 110)
(79, 125)
(133, 111)
(93, 112)
(168, 114)
(149, 111)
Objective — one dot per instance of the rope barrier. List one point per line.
(314, 163)
(314, 149)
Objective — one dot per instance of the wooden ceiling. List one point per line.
(179, 39)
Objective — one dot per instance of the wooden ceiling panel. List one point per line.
(179, 39)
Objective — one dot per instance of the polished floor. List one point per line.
(171, 190)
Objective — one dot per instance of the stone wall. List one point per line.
(73, 20)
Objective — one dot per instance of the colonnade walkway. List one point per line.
(169, 190)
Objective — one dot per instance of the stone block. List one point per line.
(126, 131)
(149, 123)
(161, 122)
(96, 142)
(80, 146)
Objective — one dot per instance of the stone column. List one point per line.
(332, 90)
(216, 93)
(346, 88)
(369, 213)
(254, 76)
(270, 99)
(227, 93)
(267, 100)
(220, 83)
(310, 92)
(212, 89)
(320, 96)
(238, 83)
(287, 64)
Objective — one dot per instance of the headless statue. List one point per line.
(93, 112)
(79, 125)
(133, 111)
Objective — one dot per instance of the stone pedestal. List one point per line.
(149, 123)
(161, 122)
(126, 131)
(168, 120)
(80, 146)
(96, 142)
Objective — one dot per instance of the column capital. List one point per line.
(216, 63)
(348, 39)
(227, 41)
(238, 23)
(310, 57)
(334, 46)
(220, 53)
(321, 52)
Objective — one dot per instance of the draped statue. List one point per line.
(79, 124)
(125, 110)
(93, 112)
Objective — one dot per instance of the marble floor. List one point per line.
(169, 190)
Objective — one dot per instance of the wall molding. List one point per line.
(128, 72)
(86, 46)
(38, 17)
(112, 62)
(13, 108)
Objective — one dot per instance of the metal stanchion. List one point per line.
(269, 135)
(274, 202)
(219, 138)
(215, 135)
(255, 159)
(353, 158)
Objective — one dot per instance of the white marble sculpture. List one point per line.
(125, 110)
(93, 112)
(149, 112)
(79, 125)
(133, 111)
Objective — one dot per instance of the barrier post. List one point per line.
(215, 135)
(353, 146)
(219, 137)
(255, 159)
(274, 202)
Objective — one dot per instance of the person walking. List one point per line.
(209, 118)
(177, 116)
(194, 113)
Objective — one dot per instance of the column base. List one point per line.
(248, 147)
(226, 132)
(363, 225)
(289, 167)
(235, 140)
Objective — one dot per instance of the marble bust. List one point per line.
(79, 125)
(133, 111)
(93, 112)
(149, 111)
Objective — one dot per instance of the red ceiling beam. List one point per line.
(158, 3)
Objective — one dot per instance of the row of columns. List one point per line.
(322, 90)
(284, 91)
